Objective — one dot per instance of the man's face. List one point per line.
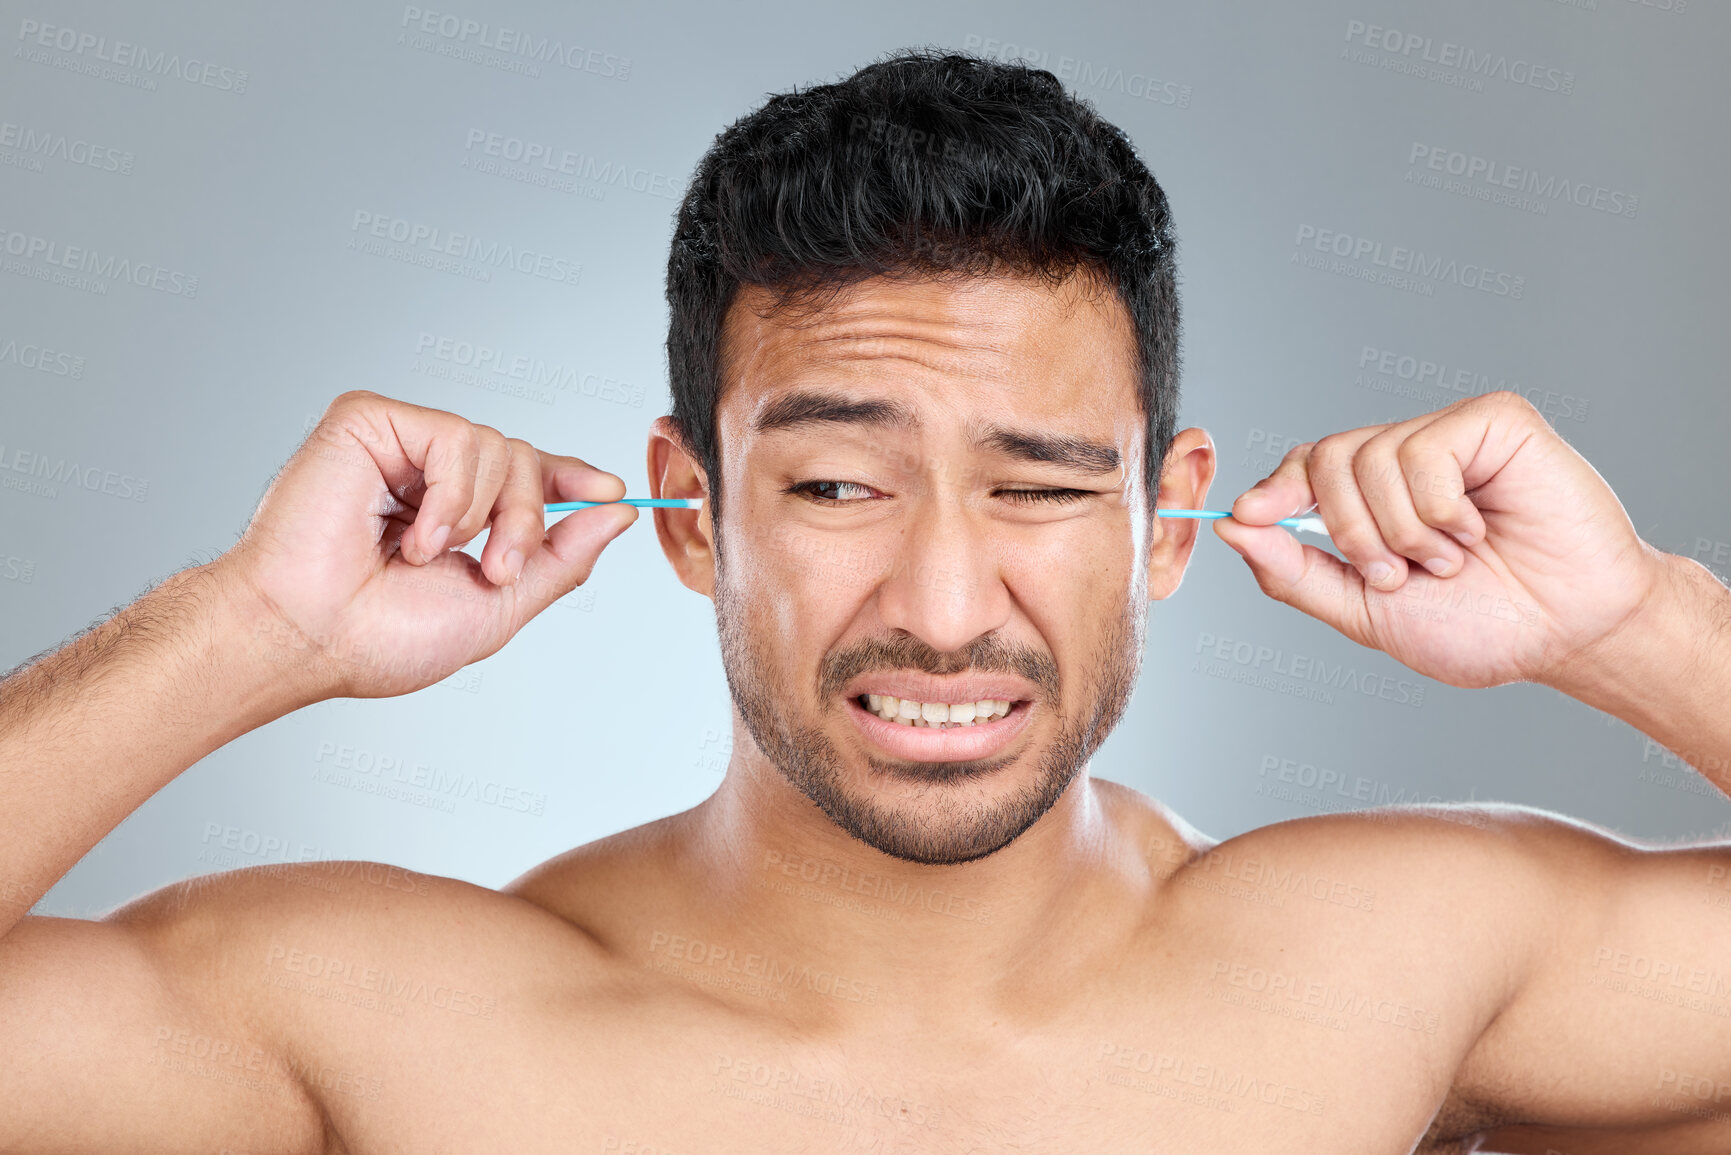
(933, 496)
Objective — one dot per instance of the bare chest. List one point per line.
(669, 1070)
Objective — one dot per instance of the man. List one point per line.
(923, 353)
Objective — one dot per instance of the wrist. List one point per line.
(1654, 664)
(268, 668)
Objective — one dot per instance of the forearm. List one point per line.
(1668, 672)
(91, 730)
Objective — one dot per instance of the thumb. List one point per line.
(568, 554)
(1302, 576)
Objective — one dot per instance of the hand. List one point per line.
(351, 559)
(1546, 565)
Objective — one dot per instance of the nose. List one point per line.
(943, 585)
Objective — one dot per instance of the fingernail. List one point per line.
(514, 564)
(436, 540)
(1379, 573)
(1464, 537)
(1437, 565)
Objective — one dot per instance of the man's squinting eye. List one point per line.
(847, 492)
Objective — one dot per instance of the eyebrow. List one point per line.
(805, 407)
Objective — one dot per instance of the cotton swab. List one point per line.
(1308, 523)
(641, 502)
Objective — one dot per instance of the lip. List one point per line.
(927, 744)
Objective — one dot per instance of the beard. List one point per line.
(950, 828)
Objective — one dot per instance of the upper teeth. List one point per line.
(911, 713)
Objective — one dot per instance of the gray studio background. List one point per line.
(226, 152)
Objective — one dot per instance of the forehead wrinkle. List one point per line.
(935, 352)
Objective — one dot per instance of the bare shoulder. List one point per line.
(1440, 849)
(1475, 892)
(270, 1002)
(362, 906)
(358, 966)
(601, 884)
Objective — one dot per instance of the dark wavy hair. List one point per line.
(925, 162)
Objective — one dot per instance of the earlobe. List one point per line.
(685, 535)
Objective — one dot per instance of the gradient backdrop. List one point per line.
(216, 217)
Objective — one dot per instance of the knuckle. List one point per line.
(350, 398)
(1411, 539)
(1359, 543)
(464, 449)
(1370, 468)
(1510, 400)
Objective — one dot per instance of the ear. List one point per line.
(686, 535)
(1184, 481)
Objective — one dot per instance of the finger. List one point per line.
(1283, 493)
(518, 519)
(1341, 503)
(1388, 489)
(492, 462)
(1438, 459)
(448, 458)
(426, 458)
(1302, 576)
(568, 553)
(573, 479)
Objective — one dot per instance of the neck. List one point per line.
(779, 877)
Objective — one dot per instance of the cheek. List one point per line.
(805, 585)
(1082, 568)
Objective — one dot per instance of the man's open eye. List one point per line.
(831, 492)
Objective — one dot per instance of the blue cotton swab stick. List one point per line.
(641, 502)
(1308, 523)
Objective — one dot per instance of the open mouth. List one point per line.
(936, 715)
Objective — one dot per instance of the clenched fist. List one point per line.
(352, 557)
(1480, 547)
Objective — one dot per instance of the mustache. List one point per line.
(988, 654)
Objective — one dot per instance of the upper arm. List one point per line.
(1620, 1014)
(122, 1035)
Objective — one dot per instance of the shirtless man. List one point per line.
(877, 936)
